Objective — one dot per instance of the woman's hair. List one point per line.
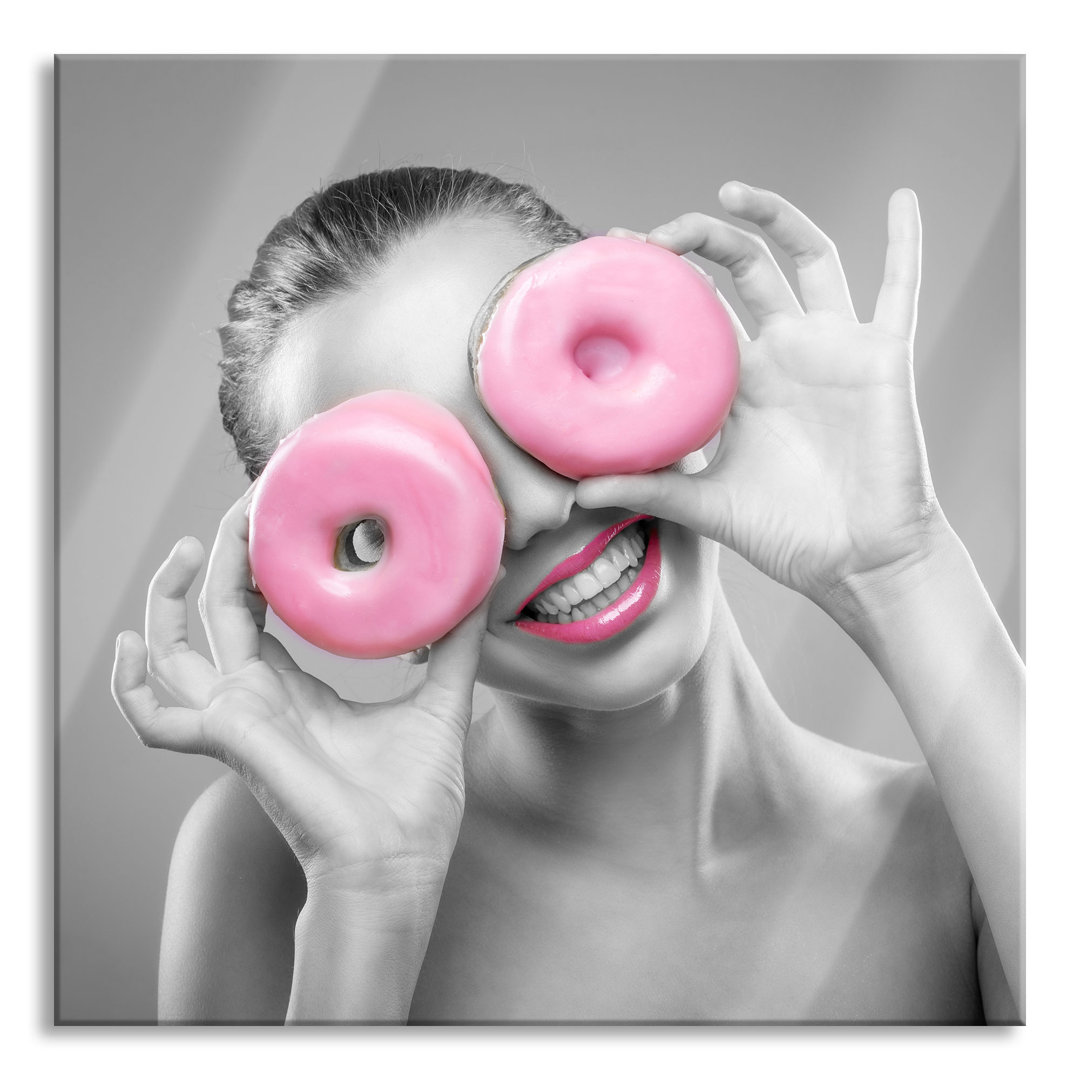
(333, 242)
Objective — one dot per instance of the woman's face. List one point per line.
(408, 330)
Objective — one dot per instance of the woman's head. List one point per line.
(337, 307)
(336, 241)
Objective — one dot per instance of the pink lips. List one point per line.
(617, 616)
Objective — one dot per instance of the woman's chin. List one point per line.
(620, 682)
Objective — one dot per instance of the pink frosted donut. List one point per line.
(606, 356)
(375, 527)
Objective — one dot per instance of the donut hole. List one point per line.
(360, 545)
(602, 356)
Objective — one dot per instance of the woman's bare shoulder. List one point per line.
(227, 819)
(234, 892)
(890, 806)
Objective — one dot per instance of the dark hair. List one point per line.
(334, 241)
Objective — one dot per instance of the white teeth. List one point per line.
(587, 584)
(602, 583)
(605, 572)
(630, 552)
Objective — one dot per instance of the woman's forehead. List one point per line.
(405, 329)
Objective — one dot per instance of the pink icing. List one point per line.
(407, 462)
(609, 356)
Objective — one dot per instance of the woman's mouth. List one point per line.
(599, 591)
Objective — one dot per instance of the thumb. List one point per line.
(453, 663)
(689, 499)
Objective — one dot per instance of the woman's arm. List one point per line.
(932, 632)
(243, 943)
(359, 950)
(821, 481)
(368, 798)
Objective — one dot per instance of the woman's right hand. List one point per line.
(369, 797)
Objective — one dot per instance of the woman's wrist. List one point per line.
(359, 947)
(380, 877)
(865, 600)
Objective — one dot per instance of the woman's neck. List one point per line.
(669, 782)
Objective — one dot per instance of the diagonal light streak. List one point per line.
(170, 406)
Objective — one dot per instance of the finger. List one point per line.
(229, 608)
(675, 496)
(453, 662)
(184, 673)
(758, 280)
(168, 728)
(275, 654)
(256, 604)
(897, 304)
(626, 234)
(817, 264)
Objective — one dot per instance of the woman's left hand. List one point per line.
(820, 479)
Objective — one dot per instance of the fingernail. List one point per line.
(742, 190)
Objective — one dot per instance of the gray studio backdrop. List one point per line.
(171, 171)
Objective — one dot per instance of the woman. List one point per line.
(635, 831)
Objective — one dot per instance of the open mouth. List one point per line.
(605, 596)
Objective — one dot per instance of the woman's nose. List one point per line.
(536, 499)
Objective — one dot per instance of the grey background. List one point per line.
(171, 171)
